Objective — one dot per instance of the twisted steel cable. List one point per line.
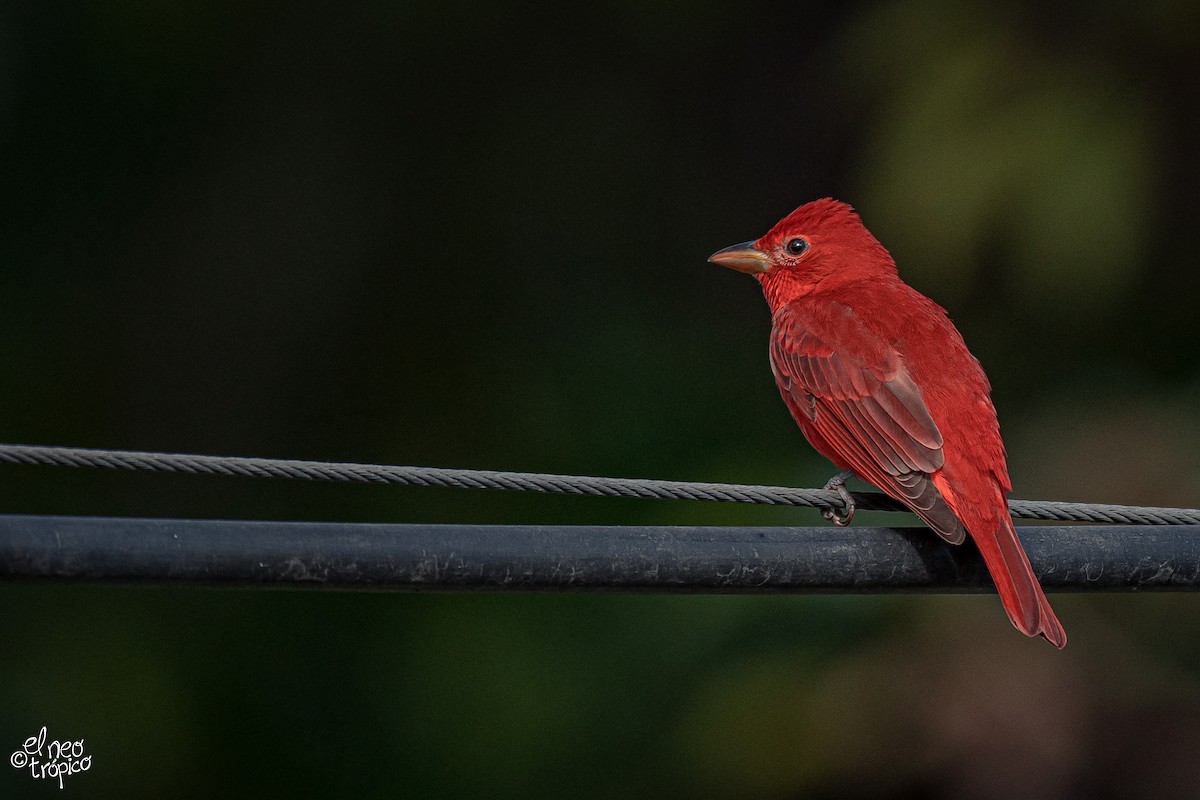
(552, 484)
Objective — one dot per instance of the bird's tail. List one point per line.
(1019, 589)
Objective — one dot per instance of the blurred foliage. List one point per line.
(474, 235)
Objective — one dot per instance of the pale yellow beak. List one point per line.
(744, 257)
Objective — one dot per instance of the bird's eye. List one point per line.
(797, 246)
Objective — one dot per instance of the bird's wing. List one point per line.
(850, 389)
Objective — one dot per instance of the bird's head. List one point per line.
(818, 242)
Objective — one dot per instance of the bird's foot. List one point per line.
(838, 484)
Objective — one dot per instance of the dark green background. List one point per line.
(475, 235)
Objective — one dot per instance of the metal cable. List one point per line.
(553, 484)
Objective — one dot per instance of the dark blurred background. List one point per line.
(474, 235)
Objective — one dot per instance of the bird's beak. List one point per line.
(744, 257)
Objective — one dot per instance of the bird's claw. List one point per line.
(838, 484)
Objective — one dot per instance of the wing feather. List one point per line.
(861, 403)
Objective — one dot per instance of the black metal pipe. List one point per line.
(543, 557)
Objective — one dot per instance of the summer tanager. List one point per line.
(881, 383)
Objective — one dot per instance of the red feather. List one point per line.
(881, 383)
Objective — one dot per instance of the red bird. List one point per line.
(881, 383)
